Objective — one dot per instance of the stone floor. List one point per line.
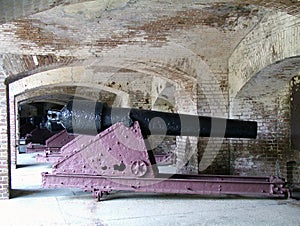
(32, 205)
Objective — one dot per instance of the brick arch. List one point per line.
(16, 66)
(270, 79)
(274, 39)
(72, 72)
(62, 94)
(265, 98)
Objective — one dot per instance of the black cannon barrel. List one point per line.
(88, 117)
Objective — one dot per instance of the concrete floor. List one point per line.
(33, 205)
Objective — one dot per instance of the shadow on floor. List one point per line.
(43, 192)
(24, 192)
(133, 195)
(47, 165)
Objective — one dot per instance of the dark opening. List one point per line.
(295, 114)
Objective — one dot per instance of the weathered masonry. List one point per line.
(234, 59)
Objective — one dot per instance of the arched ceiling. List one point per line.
(90, 27)
(63, 94)
(11, 10)
(271, 79)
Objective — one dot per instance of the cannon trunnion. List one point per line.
(116, 158)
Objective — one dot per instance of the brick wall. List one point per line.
(212, 101)
(4, 164)
(272, 152)
(265, 155)
(293, 159)
(186, 146)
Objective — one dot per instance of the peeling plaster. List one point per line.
(247, 163)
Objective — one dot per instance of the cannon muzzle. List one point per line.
(88, 117)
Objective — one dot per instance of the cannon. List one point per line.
(113, 154)
(86, 117)
(33, 133)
